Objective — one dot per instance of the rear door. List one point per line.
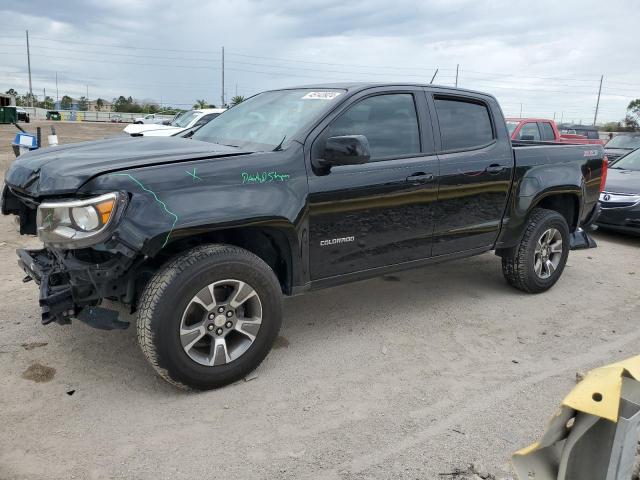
(381, 213)
(476, 166)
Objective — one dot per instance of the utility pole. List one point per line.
(521, 110)
(562, 118)
(554, 116)
(29, 67)
(595, 117)
(222, 88)
(57, 87)
(457, 68)
(44, 97)
(87, 96)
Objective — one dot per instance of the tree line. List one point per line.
(120, 104)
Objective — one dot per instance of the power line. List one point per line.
(200, 59)
(292, 60)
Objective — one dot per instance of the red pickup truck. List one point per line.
(541, 129)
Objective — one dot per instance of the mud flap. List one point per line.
(581, 240)
(594, 435)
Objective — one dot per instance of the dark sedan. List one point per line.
(621, 144)
(620, 200)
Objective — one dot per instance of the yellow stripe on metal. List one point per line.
(599, 393)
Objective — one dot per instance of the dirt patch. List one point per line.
(68, 132)
(32, 345)
(39, 373)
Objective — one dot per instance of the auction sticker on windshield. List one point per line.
(321, 95)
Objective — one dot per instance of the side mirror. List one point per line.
(526, 137)
(345, 150)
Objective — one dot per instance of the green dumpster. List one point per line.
(8, 115)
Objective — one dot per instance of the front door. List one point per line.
(380, 213)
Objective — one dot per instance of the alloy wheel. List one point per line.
(221, 322)
(548, 253)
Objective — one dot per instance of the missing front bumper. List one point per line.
(57, 301)
(56, 296)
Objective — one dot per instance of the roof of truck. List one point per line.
(366, 85)
(527, 119)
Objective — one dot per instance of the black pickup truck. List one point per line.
(290, 191)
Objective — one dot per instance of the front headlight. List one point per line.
(77, 223)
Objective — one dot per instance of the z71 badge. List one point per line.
(334, 241)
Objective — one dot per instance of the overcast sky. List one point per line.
(546, 55)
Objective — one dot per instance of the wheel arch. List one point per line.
(564, 199)
(275, 246)
(566, 203)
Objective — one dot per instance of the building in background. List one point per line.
(92, 105)
(105, 107)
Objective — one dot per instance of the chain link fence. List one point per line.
(36, 113)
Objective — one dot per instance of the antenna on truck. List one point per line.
(434, 77)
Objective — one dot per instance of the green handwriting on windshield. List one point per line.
(264, 177)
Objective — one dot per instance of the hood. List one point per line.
(623, 181)
(63, 169)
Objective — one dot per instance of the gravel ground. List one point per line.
(405, 376)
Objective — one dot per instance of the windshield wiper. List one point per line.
(226, 144)
(279, 146)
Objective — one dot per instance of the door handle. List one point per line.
(495, 168)
(420, 177)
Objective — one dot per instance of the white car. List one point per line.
(151, 118)
(180, 123)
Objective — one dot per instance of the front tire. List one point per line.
(209, 316)
(536, 264)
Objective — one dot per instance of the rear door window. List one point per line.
(547, 131)
(464, 124)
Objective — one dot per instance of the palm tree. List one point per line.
(99, 104)
(200, 104)
(236, 100)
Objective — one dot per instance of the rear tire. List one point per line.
(537, 262)
(184, 298)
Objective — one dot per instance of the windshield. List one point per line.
(512, 126)
(185, 119)
(624, 141)
(262, 122)
(630, 161)
(175, 117)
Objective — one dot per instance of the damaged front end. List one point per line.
(73, 283)
(84, 260)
